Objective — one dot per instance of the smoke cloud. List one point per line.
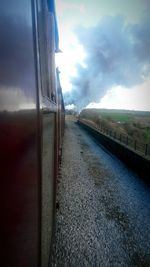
(117, 54)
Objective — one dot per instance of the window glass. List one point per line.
(47, 183)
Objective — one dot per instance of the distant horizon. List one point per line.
(116, 109)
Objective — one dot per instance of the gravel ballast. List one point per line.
(104, 209)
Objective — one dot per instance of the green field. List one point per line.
(121, 117)
(135, 124)
(147, 133)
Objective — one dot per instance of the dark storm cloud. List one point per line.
(117, 54)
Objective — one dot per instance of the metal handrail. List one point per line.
(126, 140)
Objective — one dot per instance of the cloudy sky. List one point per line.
(105, 59)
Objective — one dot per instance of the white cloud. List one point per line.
(135, 98)
(72, 106)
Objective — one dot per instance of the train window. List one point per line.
(47, 53)
(48, 147)
(50, 39)
(50, 5)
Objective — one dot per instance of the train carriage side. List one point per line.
(28, 130)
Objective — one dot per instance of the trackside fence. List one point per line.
(136, 145)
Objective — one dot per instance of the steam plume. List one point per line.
(117, 54)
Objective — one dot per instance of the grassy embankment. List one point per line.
(135, 124)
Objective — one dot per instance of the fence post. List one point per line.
(146, 149)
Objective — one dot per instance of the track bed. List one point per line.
(104, 209)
